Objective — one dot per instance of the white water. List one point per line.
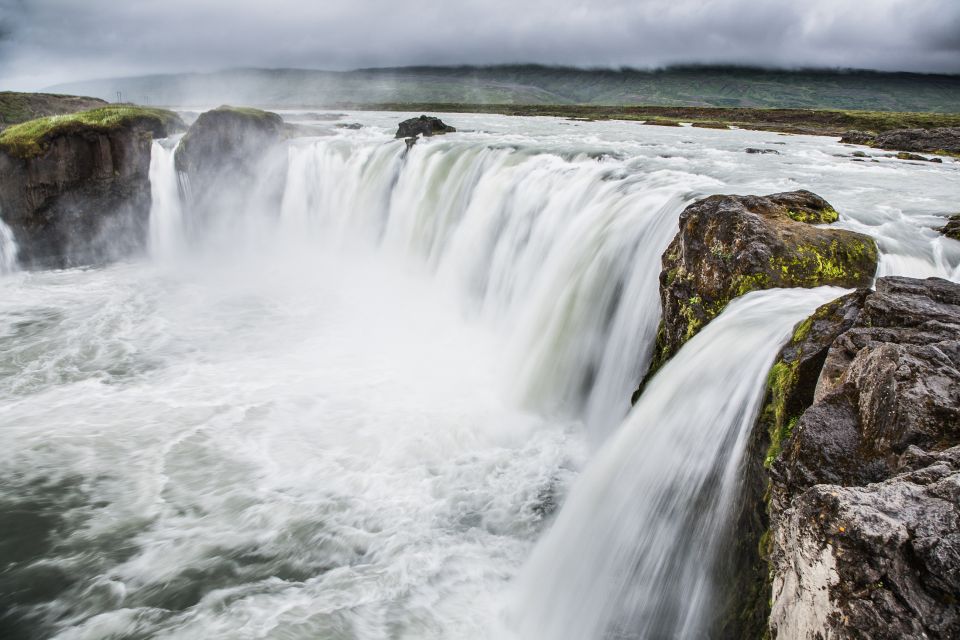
(630, 553)
(8, 250)
(347, 418)
(166, 213)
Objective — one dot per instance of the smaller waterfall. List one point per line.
(166, 211)
(630, 553)
(8, 250)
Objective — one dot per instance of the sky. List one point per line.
(43, 42)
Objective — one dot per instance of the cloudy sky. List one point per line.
(43, 42)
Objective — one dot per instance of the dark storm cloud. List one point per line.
(49, 41)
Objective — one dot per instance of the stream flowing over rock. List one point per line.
(862, 420)
(729, 245)
(85, 198)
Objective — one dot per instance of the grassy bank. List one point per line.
(30, 138)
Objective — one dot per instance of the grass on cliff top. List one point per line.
(29, 139)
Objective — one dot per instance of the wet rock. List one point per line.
(952, 228)
(349, 125)
(225, 155)
(753, 150)
(662, 123)
(857, 137)
(76, 190)
(730, 245)
(862, 418)
(920, 140)
(904, 155)
(941, 139)
(859, 154)
(423, 126)
(710, 125)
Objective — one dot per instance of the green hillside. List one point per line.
(539, 85)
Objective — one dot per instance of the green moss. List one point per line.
(849, 262)
(753, 282)
(31, 138)
(803, 329)
(780, 382)
(812, 216)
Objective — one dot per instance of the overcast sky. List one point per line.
(43, 42)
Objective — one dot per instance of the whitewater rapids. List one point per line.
(354, 417)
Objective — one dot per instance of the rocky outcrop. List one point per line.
(423, 126)
(75, 190)
(225, 156)
(859, 437)
(730, 245)
(941, 139)
(952, 228)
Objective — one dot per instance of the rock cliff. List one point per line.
(75, 189)
(859, 439)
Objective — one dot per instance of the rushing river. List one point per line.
(359, 415)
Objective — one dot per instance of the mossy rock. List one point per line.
(730, 245)
(32, 138)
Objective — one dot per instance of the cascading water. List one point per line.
(8, 250)
(562, 250)
(289, 430)
(166, 211)
(629, 555)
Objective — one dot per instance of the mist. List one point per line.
(45, 42)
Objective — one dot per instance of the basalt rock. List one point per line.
(859, 439)
(225, 155)
(423, 126)
(730, 245)
(952, 228)
(76, 190)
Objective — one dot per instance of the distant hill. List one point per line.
(533, 85)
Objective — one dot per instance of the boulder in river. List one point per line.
(75, 189)
(860, 435)
(225, 156)
(729, 245)
(423, 126)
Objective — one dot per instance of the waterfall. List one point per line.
(8, 250)
(560, 250)
(629, 554)
(166, 210)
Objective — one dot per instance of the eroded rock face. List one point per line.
(423, 126)
(730, 245)
(85, 199)
(878, 561)
(864, 497)
(225, 155)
